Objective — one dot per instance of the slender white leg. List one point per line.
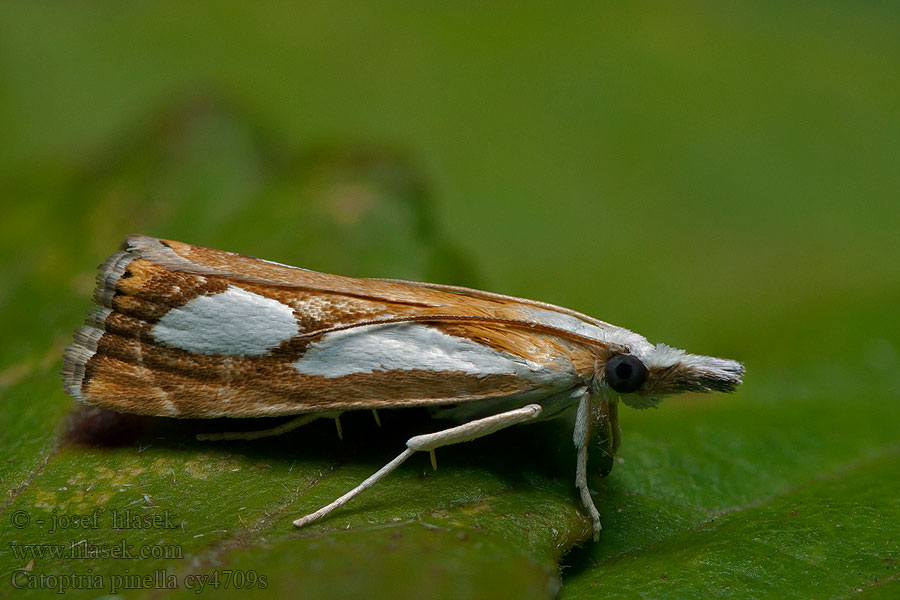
(474, 429)
(255, 435)
(581, 437)
(463, 433)
(372, 480)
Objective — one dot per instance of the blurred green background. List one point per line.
(722, 177)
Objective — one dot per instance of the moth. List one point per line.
(192, 332)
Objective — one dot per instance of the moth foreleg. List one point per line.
(430, 441)
(581, 437)
(614, 424)
(255, 435)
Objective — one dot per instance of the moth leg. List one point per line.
(614, 424)
(255, 435)
(581, 437)
(430, 441)
(600, 418)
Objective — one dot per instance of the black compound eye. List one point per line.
(625, 373)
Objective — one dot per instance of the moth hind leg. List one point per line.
(431, 441)
(261, 433)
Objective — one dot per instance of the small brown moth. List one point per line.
(185, 331)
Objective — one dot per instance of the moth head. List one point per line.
(642, 379)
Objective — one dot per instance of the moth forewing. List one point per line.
(192, 332)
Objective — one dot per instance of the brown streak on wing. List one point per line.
(148, 281)
(504, 298)
(178, 256)
(127, 375)
(147, 291)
